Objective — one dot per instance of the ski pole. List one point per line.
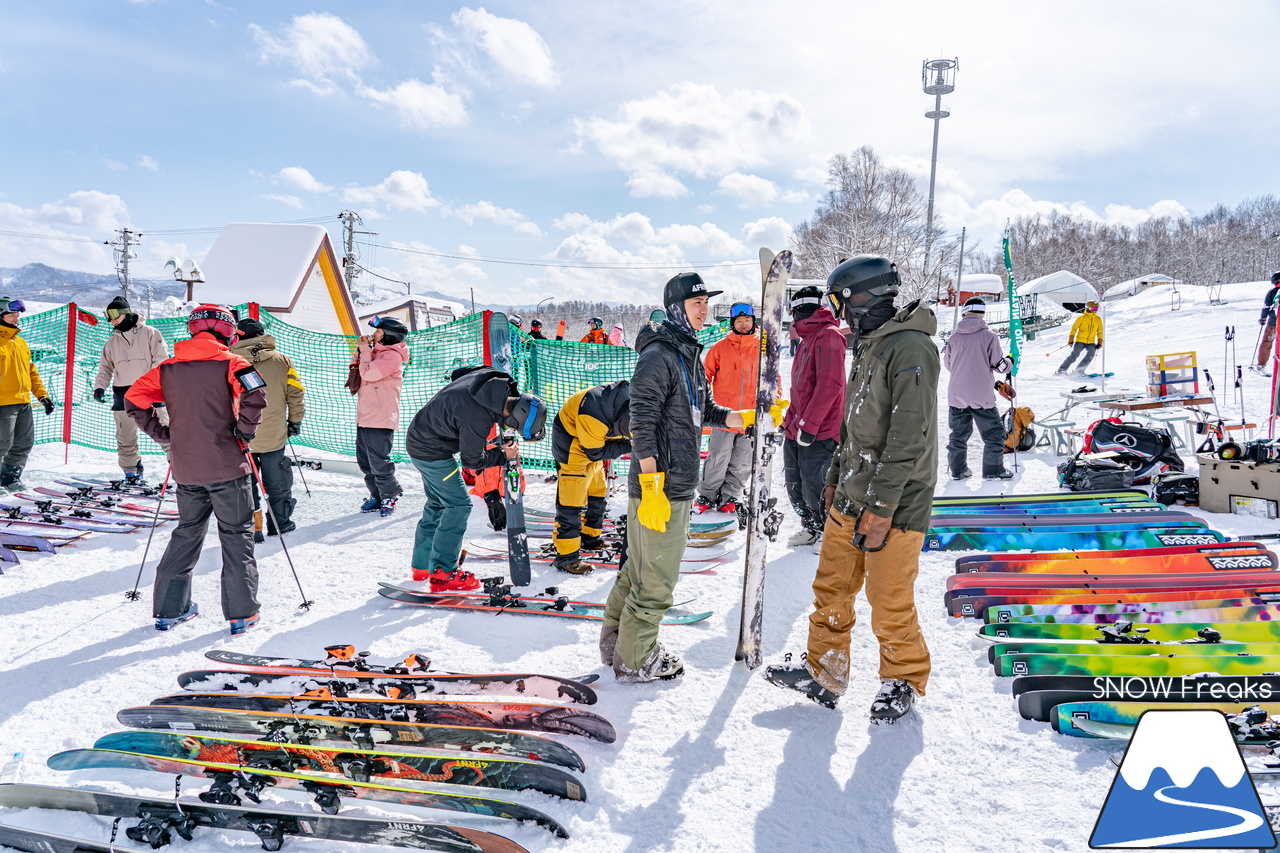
(1052, 351)
(306, 604)
(1013, 421)
(133, 594)
(297, 464)
(1240, 390)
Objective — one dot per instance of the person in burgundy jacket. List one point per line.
(215, 401)
(812, 424)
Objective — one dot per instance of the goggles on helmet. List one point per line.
(741, 309)
(113, 313)
(14, 306)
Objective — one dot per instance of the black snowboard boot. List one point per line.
(594, 543)
(9, 475)
(893, 701)
(799, 679)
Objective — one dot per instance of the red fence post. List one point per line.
(73, 319)
(488, 353)
(253, 311)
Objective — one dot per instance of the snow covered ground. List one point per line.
(720, 761)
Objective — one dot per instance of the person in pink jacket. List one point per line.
(381, 358)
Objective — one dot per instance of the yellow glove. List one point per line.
(655, 509)
(748, 418)
(777, 410)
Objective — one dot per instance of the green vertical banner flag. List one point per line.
(1016, 336)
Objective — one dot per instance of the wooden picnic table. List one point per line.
(1147, 403)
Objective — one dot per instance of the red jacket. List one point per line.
(205, 401)
(817, 378)
(733, 369)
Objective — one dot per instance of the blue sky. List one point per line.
(614, 141)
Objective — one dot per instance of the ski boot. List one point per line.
(1002, 474)
(241, 626)
(729, 507)
(702, 504)
(892, 702)
(574, 566)
(799, 679)
(387, 506)
(659, 666)
(9, 481)
(164, 624)
(804, 537)
(371, 504)
(455, 580)
(963, 475)
(134, 478)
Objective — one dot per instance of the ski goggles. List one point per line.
(113, 313)
(741, 309)
(375, 321)
(12, 306)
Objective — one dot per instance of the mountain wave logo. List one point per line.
(1182, 784)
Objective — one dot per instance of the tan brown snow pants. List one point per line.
(889, 576)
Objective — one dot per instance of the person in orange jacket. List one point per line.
(733, 370)
(596, 333)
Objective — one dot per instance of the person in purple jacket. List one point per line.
(812, 423)
(972, 355)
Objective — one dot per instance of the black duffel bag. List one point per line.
(1094, 475)
(1147, 452)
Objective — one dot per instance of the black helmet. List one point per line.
(860, 284)
(596, 323)
(1275, 277)
(805, 301)
(528, 417)
(516, 320)
(535, 324)
(975, 305)
(393, 331)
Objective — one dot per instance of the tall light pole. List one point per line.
(938, 77)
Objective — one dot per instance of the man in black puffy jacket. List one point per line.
(670, 403)
(458, 420)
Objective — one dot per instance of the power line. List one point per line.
(563, 264)
(61, 238)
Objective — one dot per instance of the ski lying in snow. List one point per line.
(364, 733)
(328, 792)
(1116, 602)
(1041, 497)
(762, 515)
(97, 515)
(1098, 375)
(1233, 610)
(380, 766)
(160, 818)
(1021, 539)
(38, 841)
(499, 714)
(1133, 631)
(1059, 521)
(617, 524)
(498, 601)
(77, 499)
(1069, 508)
(83, 521)
(1223, 558)
(20, 542)
(1087, 649)
(1165, 664)
(597, 559)
(1117, 720)
(992, 581)
(695, 540)
(117, 488)
(1039, 704)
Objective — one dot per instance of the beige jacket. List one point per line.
(127, 356)
(284, 392)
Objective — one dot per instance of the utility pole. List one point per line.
(122, 249)
(350, 267)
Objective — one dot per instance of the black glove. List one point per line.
(99, 394)
(294, 428)
(48, 405)
(804, 439)
(241, 434)
(497, 510)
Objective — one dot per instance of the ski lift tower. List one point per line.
(938, 77)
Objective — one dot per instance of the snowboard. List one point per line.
(763, 517)
(162, 817)
(503, 714)
(1129, 601)
(1128, 665)
(1162, 612)
(1022, 539)
(20, 542)
(360, 765)
(1156, 632)
(1118, 720)
(366, 734)
(328, 792)
(1040, 497)
(502, 357)
(1225, 558)
(505, 602)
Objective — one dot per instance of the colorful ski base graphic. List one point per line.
(1263, 608)
(982, 520)
(1041, 497)
(1203, 650)
(1126, 601)
(1008, 666)
(1157, 632)
(1182, 783)
(1003, 581)
(1117, 720)
(1097, 539)
(1217, 560)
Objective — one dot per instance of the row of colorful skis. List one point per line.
(47, 518)
(1098, 632)
(336, 728)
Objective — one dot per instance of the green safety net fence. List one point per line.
(552, 370)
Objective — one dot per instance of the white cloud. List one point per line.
(500, 215)
(302, 179)
(749, 190)
(421, 105)
(648, 183)
(287, 200)
(115, 165)
(402, 190)
(321, 46)
(146, 161)
(87, 217)
(512, 44)
(693, 128)
(771, 231)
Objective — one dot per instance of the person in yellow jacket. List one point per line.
(592, 426)
(19, 382)
(1086, 335)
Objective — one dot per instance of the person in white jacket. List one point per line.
(131, 351)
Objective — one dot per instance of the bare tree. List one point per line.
(872, 209)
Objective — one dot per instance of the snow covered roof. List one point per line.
(1137, 285)
(272, 265)
(981, 282)
(424, 302)
(1062, 287)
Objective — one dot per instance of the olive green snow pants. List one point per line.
(646, 583)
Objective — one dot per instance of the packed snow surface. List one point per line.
(719, 761)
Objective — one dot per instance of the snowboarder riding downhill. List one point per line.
(879, 495)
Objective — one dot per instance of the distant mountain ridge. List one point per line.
(43, 283)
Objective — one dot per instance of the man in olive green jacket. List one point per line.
(281, 420)
(879, 495)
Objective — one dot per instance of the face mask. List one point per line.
(677, 317)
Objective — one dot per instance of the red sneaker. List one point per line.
(455, 581)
